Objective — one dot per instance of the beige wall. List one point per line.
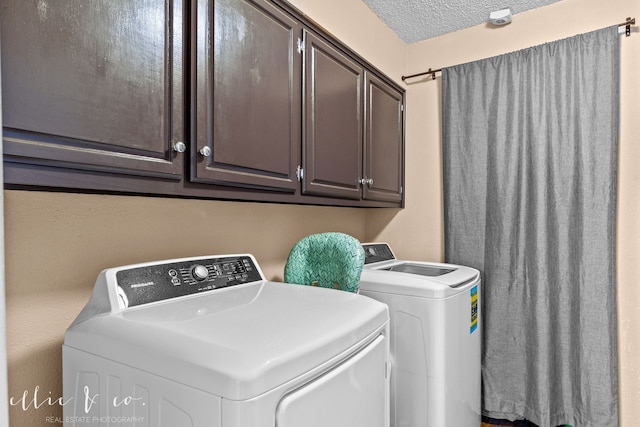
(72, 236)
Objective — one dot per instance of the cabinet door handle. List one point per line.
(179, 147)
(370, 182)
(205, 151)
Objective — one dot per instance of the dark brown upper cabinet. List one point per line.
(246, 127)
(223, 99)
(353, 129)
(94, 85)
(333, 104)
(383, 141)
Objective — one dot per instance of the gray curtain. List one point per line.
(530, 165)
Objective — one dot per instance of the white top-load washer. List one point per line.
(208, 342)
(435, 338)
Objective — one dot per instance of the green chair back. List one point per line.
(328, 260)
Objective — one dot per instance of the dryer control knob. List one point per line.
(199, 272)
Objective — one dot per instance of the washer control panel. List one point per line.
(377, 252)
(158, 282)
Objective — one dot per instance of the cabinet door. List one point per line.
(333, 121)
(384, 147)
(93, 85)
(246, 87)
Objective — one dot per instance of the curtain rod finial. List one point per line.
(630, 21)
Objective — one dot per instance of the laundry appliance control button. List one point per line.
(199, 272)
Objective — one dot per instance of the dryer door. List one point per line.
(354, 393)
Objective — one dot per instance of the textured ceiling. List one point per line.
(416, 20)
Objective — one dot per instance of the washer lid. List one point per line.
(236, 342)
(420, 279)
(420, 269)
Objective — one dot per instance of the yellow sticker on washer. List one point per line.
(474, 309)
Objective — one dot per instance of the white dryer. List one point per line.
(208, 342)
(434, 337)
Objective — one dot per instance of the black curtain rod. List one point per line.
(627, 24)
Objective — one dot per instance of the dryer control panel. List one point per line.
(157, 282)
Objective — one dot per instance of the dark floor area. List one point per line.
(490, 422)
